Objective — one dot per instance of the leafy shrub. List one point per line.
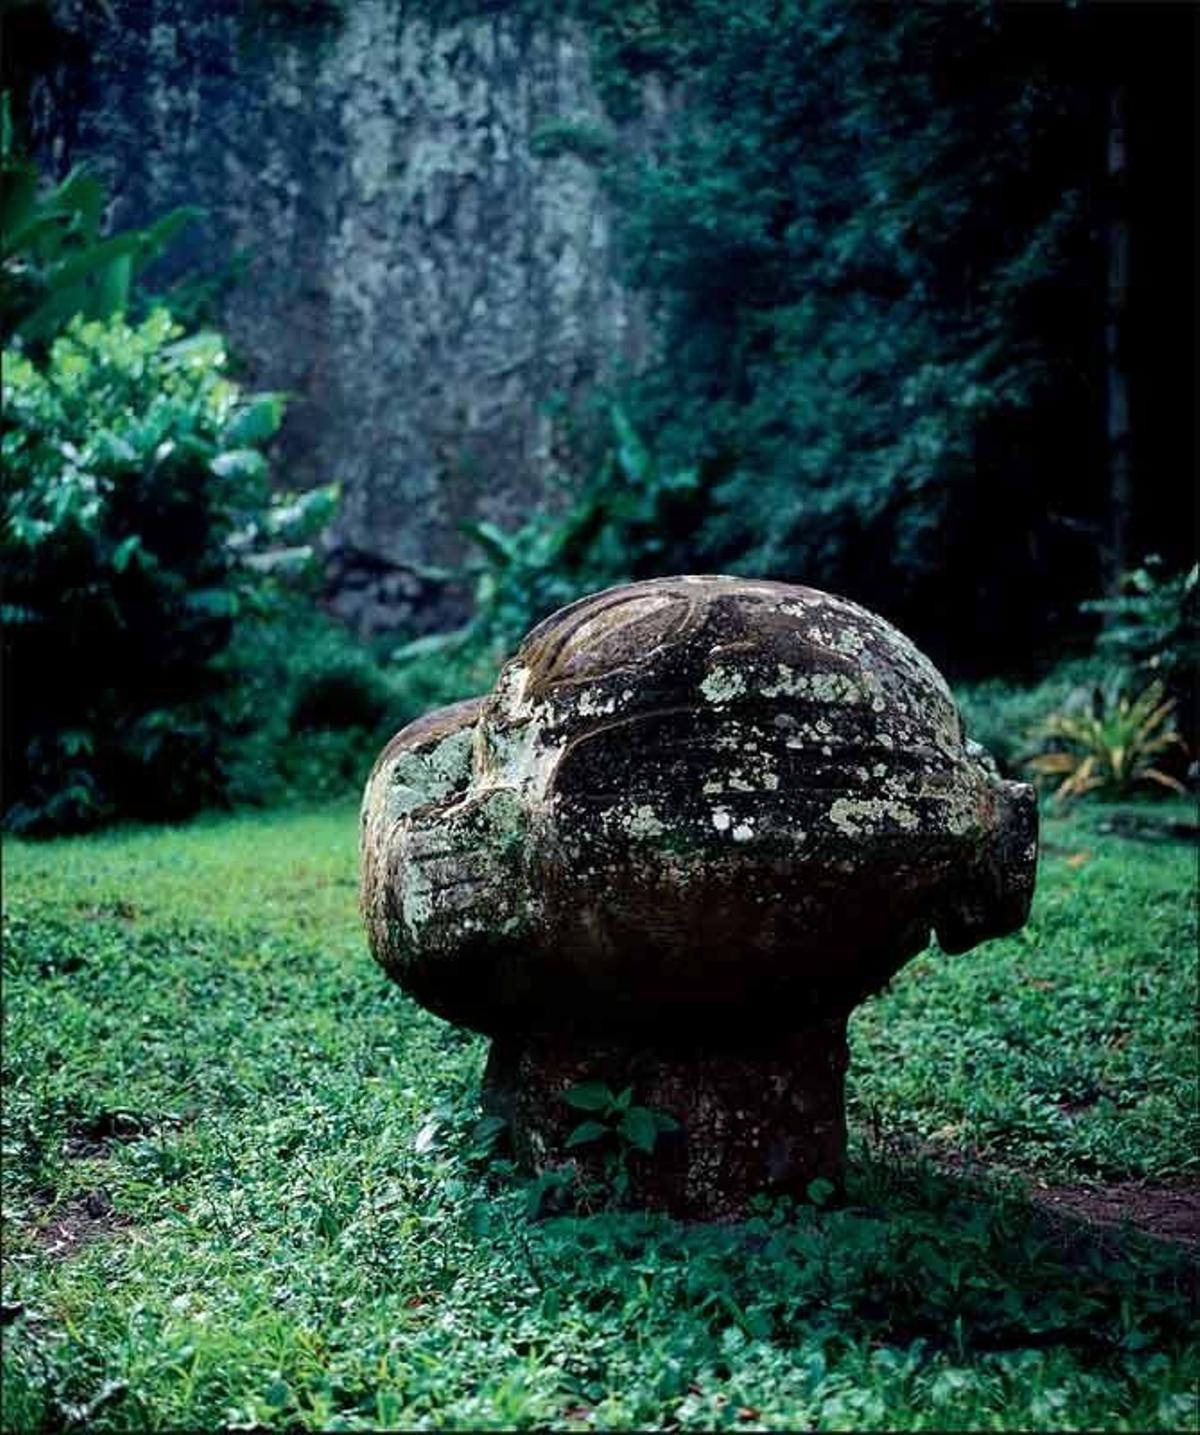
(133, 473)
(311, 704)
(1152, 631)
(279, 748)
(1112, 748)
(1154, 621)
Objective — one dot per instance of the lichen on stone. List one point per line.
(722, 685)
(427, 775)
(672, 772)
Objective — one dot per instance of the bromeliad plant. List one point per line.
(1111, 749)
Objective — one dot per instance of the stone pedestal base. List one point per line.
(766, 1118)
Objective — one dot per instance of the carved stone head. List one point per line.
(696, 804)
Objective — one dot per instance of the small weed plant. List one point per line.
(615, 1128)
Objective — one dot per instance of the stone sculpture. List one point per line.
(696, 821)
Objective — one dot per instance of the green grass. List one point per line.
(216, 1212)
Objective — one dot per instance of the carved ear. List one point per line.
(425, 767)
(461, 871)
(993, 896)
(455, 912)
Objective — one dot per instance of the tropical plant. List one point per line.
(134, 503)
(615, 1129)
(1000, 713)
(614, 1116)
(56, 262)
(1152, 629)
(1110, 749)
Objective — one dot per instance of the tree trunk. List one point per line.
(1117, 557)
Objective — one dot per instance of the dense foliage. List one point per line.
(310, 706)
(132, 465)
(1152, 632)
(877, 239)
(1118, 744)
(871, 237)
(139, 533)
(1087, 721)
(243, 1184)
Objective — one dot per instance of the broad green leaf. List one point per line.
(205, 347)
(487, 1129)
(239, 463)
(213, 602)
(256, 422)
(277, 1394)
(587, 1132)
(820, 1190)
(498, 545)
(158, 235)
(125, 552)
(632, 453)
(76, 742)
(589, 1096)
(113, 283)
(18, 207)
(82, 196)
(82, 263)
(639, 1128)
(297, 516)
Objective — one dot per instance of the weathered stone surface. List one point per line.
(729, 803)
(694, 818)
(416, 274)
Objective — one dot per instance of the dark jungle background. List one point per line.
(898, 301)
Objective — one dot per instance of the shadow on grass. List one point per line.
(962, 1263)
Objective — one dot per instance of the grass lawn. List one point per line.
(239, 1186)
